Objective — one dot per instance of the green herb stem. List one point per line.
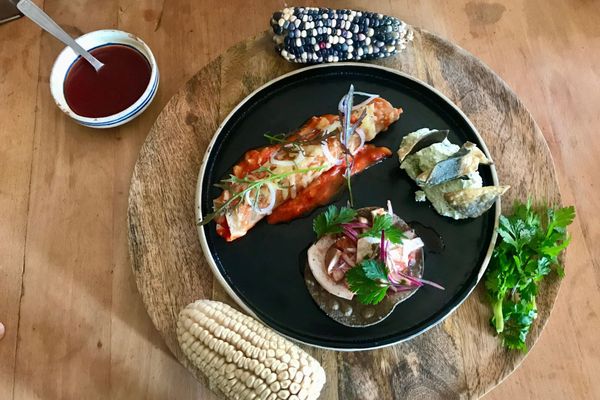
(275, 138)
(349, 184)
(498, 317)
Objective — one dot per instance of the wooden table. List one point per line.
(75, 325)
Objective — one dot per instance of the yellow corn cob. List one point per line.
(242, 358)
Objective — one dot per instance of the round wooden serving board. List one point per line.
(459, 358)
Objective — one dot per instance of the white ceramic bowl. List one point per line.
(90, 41)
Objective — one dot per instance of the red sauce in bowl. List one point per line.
(119, 83)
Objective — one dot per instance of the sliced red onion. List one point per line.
(350, 234)
(400, 286)
(411, 279)
(430, 283)
(382, 252)
(393, 280)
(415, 280)
(330, 158)
(272, 197)
(287, 163)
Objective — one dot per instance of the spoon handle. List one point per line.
(33, 12)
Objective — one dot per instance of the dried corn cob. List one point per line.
(242, 358)
(315, 35)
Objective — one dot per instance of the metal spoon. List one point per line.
(33, 12)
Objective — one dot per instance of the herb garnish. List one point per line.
(369, 281)
(531, 242)
(385, 222)
(278, 138)
(248, 185)
(331, 220)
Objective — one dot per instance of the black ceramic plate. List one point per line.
(263, 270)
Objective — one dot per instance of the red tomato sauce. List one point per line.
(223, 227)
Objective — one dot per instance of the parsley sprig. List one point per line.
(369, 281)
(385, 222)
(330, 222)
(531, 242)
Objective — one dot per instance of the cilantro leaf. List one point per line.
(331, 220)
(531, 242)
(395, 234)
(374, 269)
(368, 280)
(385, 222)
(381, 222)
(554, 250)
(561, 218)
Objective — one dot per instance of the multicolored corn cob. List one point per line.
(316, 35)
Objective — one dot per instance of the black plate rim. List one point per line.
(208, 254)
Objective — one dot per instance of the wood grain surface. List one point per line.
(458, 358)
(75, 324)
